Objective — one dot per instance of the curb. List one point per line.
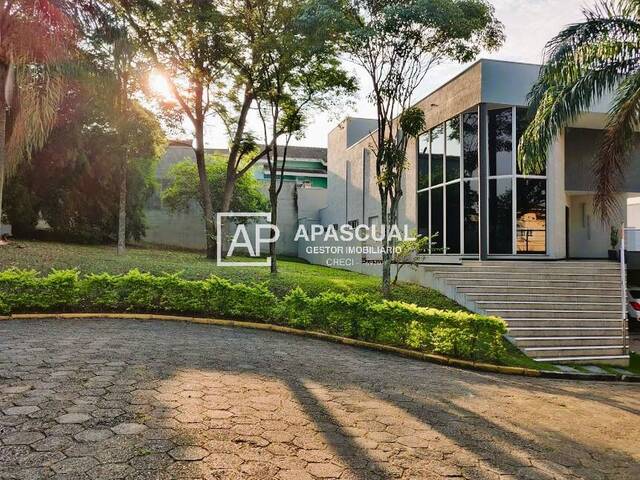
(426, 357)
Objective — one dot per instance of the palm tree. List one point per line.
(33, 39)
(582, 63)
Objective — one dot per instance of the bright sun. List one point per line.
(159, 85)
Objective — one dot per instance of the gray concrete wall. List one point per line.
(183, 230)
(589, 237)
(581, 147)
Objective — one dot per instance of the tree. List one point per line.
(188, 43)
(396, 42)
(35, 37)
(407, 251)
(299, 72)
(113, 53)
(183, 190)
(583, 62)
(70, 183)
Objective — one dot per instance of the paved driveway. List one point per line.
(114, 399)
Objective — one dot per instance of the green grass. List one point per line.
(515, 358)
(313, 279)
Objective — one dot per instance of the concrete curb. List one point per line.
(426, 357)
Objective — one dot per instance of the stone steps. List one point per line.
(576, 292)
(560, 312)
(542, 298)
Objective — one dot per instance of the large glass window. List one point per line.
(437, 220)
(522, 122)
(423, 213)
(471, 217)
(470, 144)
(501, 142)
(449, 149)
(437, 155)
(500, 216)
(423, 162)
(453, 149)
(452, 216)
(531, 217)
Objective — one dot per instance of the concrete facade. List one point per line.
(186, 229)
(483, 87)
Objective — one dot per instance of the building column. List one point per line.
(483, 183)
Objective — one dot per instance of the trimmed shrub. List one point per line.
(459, 334)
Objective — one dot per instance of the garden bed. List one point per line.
(358, 316)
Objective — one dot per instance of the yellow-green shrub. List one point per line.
(460, 334)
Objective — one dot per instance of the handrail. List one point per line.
(623, 285)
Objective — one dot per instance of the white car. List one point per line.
(633, 303)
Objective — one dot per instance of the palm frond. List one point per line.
(583, 62)
(613, 154)
(40, 91)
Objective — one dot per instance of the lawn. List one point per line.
(313, 279)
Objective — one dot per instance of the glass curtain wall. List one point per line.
(517, 202)
(449, 188)
(448, 196)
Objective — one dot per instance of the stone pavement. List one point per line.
(109, 399)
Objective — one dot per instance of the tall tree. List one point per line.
(70, 183)
(299, 72)
(112, 52)
(35, 37)
(582, 63)
(396, 42)
(188, 43)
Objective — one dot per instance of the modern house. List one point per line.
(305, 178)
(526, 247)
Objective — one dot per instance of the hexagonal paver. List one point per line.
(74, 465)
(24, 410)
(22, 438)
(71, 418)
(128, 428)
(183, 401)
(93, 435)
(189, 453)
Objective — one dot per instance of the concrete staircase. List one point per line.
(557, 311)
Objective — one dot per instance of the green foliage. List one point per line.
(73, 181)
(584, 62)
(358, 316)
(184, 189)
(313, 279)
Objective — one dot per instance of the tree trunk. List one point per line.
(205, 192)
(3, 130)
(386, 255)
(122, 213)
(273, 197)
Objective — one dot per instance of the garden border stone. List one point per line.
(427, 357)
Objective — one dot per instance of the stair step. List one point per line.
(585, 341)
(613, 292)
(538, 275)
(550, 306)
(577, 351)
(545, 298)
(554, 314)
(527, 332)
(491, 269)
(608, 359)
(534, 282)
(576, 323)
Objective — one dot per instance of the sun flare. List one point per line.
(159, 85)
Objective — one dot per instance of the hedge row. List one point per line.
(459, 334)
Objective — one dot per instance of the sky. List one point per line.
(529, 25)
